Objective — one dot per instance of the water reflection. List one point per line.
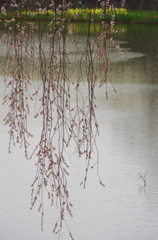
(138, 43)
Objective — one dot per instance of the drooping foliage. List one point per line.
(43, 45)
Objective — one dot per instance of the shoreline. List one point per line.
(84, 15)
(82, 21)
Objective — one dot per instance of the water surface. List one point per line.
(127, 144)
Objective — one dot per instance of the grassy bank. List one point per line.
(121, 15)
(138, 16)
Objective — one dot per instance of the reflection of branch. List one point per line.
(143, 177)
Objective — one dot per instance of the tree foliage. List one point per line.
(43, 46)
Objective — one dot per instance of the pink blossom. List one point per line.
(32, 14)
(75, 15)
(70, 32)
(111, 40)
(3, 10)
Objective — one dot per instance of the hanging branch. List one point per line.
(62, 124)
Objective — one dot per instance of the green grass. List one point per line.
(121, 15)
(142, 16)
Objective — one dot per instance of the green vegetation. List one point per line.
(78, 14)
(138, 16)
(121, 15)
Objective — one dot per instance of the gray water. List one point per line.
(128, 145)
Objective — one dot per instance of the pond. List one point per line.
(128, 145)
